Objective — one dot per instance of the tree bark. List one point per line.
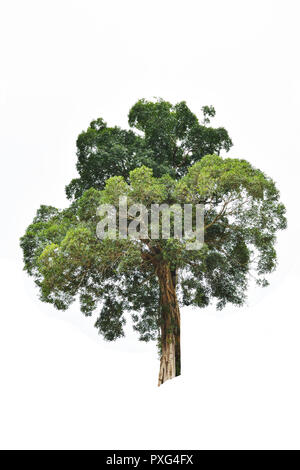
(169, 325)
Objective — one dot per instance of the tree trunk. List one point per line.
(169, 325)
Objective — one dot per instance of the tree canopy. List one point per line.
(166, 138)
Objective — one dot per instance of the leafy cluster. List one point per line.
(242, 215)
(166, 138)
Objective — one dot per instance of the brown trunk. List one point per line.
(169, 324)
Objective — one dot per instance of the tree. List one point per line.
(152, 278)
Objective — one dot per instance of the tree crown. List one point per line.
(167, 138)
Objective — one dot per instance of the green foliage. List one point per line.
(242, 216)
(169, 139)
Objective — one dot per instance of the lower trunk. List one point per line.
(169, 324)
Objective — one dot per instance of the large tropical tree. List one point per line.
(171, 159)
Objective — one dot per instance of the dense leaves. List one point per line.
(242, 215)
(168, 139)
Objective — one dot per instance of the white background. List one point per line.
(64, 63)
